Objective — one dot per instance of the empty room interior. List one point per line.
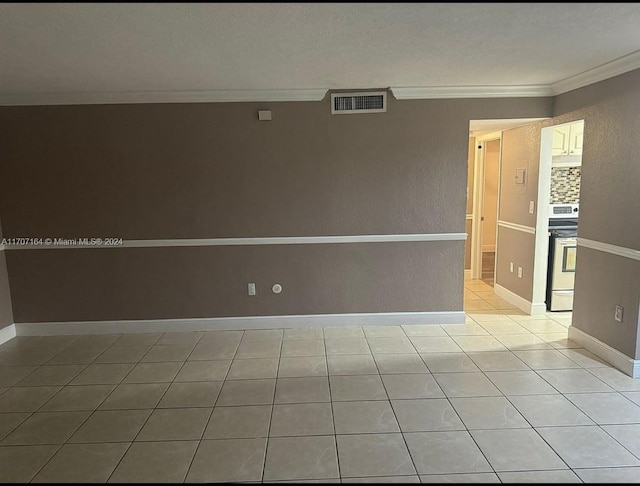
(306, 242)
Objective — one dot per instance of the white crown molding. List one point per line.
(205, 96)
(605, 71)
(614, 68)
(609, 248)
(436, 92)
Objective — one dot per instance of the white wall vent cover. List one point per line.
(365, 102)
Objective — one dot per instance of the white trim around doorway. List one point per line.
(478, 199)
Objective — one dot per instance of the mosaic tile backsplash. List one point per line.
(565, 185)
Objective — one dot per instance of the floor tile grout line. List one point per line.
(74, 431)
(333, 415)
(154, 408)
(273, 406)
(537, 433)
(553, 449)
(601, 426)
(214, 403)
(637, 456)
(79, 338)
(467, 428)
(395, 416)
(59, 447)
(115, 385)
(222, 439)
(85, 366)
(91, 413)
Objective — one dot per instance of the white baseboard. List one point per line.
(489, 248)
(620, 360)
(520, 302)
(7, 333)
(467, 274)
(233, 323)
(538, 309)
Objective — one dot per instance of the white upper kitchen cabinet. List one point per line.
(560, 140)
(576, 134)
(567, 144)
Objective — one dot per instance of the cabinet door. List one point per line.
(576, 133)
(560, 140)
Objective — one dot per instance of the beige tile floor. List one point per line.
(504, 397)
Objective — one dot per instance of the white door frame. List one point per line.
(478, 201)
(541, 245)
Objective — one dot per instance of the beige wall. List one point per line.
(162, 283)
(490, 205)
(602, 282)
(6, 311)
(212, 171)
(520, 149)
(609, 207)
(517, 247)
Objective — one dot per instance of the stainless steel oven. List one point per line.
(563, 231)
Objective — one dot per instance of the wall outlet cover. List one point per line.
(251, 288)
(619, 312)
(519, 272)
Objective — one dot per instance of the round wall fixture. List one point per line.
(277, 288)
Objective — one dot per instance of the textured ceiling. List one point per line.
(66, 48)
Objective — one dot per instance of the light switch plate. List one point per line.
(520, 176)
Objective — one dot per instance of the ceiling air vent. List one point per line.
(366, 102)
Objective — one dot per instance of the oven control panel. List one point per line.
(563, 211)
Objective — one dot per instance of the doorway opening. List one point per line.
(489, 205)
(484, 217)
(482, 250)
(557, 217)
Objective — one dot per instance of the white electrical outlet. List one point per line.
(618, 314)
(532, 207)
(251, 288)
(519, 272)
(511, 267)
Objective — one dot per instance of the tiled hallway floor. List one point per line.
(502, 398)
